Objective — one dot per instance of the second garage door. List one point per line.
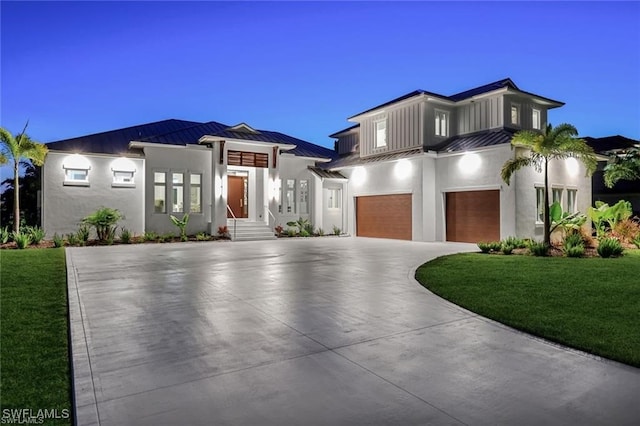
(473, 216)
(384, 216)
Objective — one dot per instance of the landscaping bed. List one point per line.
(591, 304)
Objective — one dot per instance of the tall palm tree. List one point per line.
(554, 143)
(19, 149)
(624, 165)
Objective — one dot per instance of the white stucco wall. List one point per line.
(291, 167)
(64, 206)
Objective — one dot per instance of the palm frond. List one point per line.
(623, 166)
(513, 165)
(525, 139)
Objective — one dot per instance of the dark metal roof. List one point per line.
(117, 141)
(506, 82)
(476, 140)
(355, 159)
(326, 174)
(180, 132)
(338, 133)
(401, 98)
(610, 143)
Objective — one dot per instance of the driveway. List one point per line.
(328, 331)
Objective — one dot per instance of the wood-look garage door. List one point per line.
(384, 216)
(473, 216)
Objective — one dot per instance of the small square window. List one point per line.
(381, 133)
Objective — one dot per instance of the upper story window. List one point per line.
(442, 123)
(381, 133)
(515, 114)
(535, 118)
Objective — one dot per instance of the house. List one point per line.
(426, 167)
(622, 190)
(423, 167)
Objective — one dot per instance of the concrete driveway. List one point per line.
(328, 331)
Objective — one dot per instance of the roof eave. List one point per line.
(213, 139)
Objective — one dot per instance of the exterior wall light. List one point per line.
(469, 163)
(359, 175)
(572, 166)
(77, 161)
(403, 169)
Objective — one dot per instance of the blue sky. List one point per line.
(302, 68)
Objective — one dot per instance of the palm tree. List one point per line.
(624, 165)
(554, 143)
(19, 149)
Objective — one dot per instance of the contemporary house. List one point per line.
(422, 167)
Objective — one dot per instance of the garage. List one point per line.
(384, 216)
(473, 216)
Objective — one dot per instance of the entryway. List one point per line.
(237, 196)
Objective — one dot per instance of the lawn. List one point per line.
(33, 332)
(590, 304)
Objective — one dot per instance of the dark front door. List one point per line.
(237, 196)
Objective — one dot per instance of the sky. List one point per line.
(303, 68)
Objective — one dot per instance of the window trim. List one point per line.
(116, 184)
(575, 200)
(377, 145)
(178, 185)
(76, 182)
(539, 215)
(439, 131)
(334, 203)
(199, 186)
(553, 192)
(164, 184)
(518, 113)
(537, 125)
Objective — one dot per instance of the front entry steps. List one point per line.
(249, 231)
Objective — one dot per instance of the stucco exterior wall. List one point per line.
(459, 172)
(297, 168)
(180, 159)
(64, 206)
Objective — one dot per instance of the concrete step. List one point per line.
(250, 231)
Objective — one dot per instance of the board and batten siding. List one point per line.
(403, 130)
(347, 143)
(480, 115)
(526, 112)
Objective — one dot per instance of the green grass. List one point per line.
(590, 304)
(33, 331)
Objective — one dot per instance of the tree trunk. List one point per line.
(547, 225)
(16, 197)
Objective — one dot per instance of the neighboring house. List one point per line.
(623, 189)
(422, 167)
(426, 167)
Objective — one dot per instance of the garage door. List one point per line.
(473, 216)
(384, 216)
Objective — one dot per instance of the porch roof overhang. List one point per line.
(208, 139)
(327, 174)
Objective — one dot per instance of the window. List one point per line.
(122, 178)
(442, 128)
(178, 192)
(556, 196)
(159, 192)
(381, 133)
(515, 114)
(304, 197)
(540, 204)
(572, 196)
(290, 196)
(334, 198)
(535, 118)
(76, 176)
(195, 192)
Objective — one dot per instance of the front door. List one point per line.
(237, 196)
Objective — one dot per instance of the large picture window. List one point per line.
(159, 192)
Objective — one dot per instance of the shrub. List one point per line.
(507, 249)
(609, 247)
(22, 239)
(223, 231)
(150, 236)
(4, 235)
(538, 248)
(336, 230)
(484, 247)
(104, 220)
(305, 233)
(320, 232)
(72, 239)
(573, 240)
(495, 246)
(278, 230)
(83, 233)
(515, 242)
(125, 236)
(58, 241)
(166, 238)
(627, 230)
(636, 241)
(201, 236)
(291, 232)
(36, 233)
(574, 251)
(181, 224)
(302, 225)
(603, 215)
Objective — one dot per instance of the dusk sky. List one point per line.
(303, 68)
